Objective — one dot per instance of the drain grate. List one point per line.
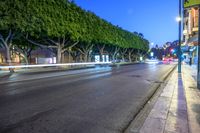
(160, 82)
(192, 87)
(153, 81)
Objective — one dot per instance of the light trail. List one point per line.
(52, 65)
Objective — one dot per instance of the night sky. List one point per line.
(154, 18)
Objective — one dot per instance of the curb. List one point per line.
(133, 124)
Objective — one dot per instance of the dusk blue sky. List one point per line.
(154, 18)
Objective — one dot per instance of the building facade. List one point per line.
(190, 32)
(191, 21)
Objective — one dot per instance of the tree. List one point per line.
(141, 35)
(8, 25)
(56, 32)
(85, 48)
(23, 47)
(63, 29)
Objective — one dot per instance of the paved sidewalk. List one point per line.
(177, 109)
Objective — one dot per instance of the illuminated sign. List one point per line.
(190, 3)
(152, 54)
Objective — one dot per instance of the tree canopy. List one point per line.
(63, 22)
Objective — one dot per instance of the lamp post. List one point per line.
(198, 66)
(179, 36)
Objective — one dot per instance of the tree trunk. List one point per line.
(129, 56)
(7, 43)
(123, 58)
(130, 52)
(113, 57)
(123, 53)
(115, 53)
(59, 54)
(8, 57)
(30, 58)
(101, 51)
(101, 56)
(69, 57)
(86, 57)
(62, 57)
(85, 51)
(26, 59)
(89, 58)
(75, 56)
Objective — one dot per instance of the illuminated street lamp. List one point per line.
(178, 19)
(198, 70)
(152, 44)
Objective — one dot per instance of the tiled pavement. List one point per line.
(177, 109)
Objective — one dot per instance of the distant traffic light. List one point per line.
(172, 51)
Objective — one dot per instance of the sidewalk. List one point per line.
(177, 110)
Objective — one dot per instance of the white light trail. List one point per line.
(52, 65)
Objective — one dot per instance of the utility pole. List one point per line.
(179, 36)
(198, 67)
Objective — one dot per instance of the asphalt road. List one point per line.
(97, 100)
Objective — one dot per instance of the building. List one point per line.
(38, 56)
(190, 29)
(15, 57)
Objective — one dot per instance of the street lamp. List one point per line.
(198, 67)
(178, 19)
(152, 44)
